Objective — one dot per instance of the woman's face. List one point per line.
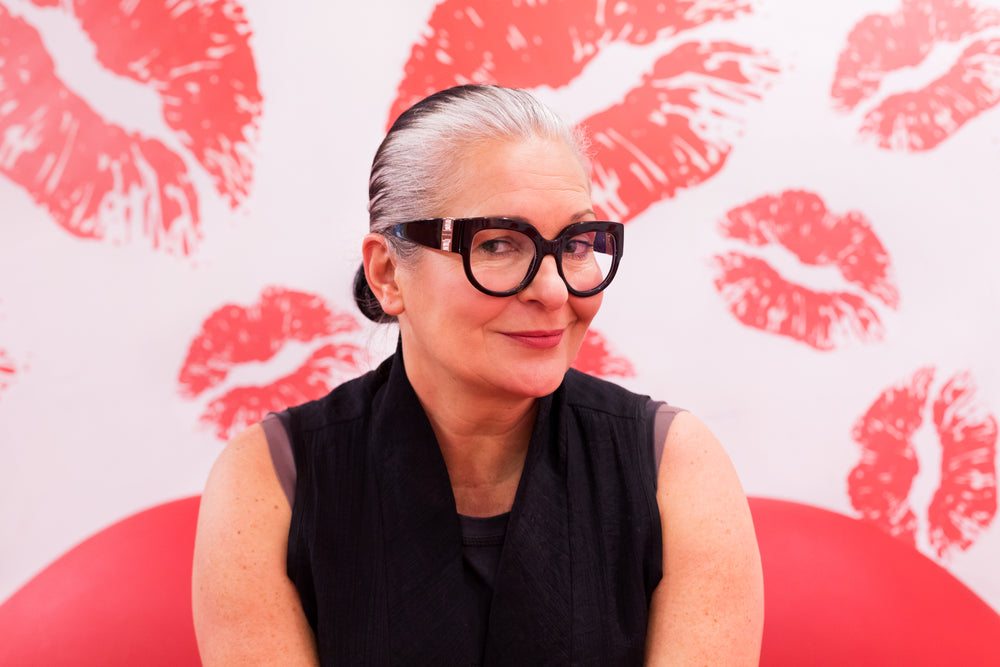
(518, 346)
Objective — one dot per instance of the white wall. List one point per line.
(96, 425)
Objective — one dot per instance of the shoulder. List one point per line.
(709, 605)
(242, 491)
(244, 462)
(239, 585)
(691, 448)
(697, 480)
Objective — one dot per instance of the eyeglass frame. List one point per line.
(456, 234)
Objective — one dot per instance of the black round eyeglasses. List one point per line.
(502, 256)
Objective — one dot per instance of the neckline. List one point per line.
(483, 530)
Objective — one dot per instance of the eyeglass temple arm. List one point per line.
(436, 233)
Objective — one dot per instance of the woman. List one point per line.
(473, 500)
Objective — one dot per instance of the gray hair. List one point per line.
(413, 172)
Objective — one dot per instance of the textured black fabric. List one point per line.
(482, 544)
(375, 546)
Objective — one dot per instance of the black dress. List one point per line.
(388, 574)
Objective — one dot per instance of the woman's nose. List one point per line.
(547, 287)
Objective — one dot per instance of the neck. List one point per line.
(481, 451)
(483, 439)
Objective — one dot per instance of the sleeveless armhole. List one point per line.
(659, 415)
(275, 426)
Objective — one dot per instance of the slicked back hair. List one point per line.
(415, 170)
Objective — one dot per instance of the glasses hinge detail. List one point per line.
(446, 233)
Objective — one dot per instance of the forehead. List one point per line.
(534, 179)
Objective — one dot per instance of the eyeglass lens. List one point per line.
(501, 258)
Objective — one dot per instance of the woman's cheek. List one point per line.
(586, 307)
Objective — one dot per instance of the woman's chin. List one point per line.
(537, 382)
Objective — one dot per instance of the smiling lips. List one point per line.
(539, 340)
(800, 222)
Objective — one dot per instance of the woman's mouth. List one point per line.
(539, 340)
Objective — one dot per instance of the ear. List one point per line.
(380, 271)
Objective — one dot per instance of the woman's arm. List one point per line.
(246, 609)
(709, 607)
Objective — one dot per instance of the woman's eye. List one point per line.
(495, 246)
(578, 247)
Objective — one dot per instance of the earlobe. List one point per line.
(380, 271)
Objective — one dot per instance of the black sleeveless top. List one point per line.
(376, 550)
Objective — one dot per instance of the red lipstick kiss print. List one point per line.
(596, 358)
(800, 222)
(921, 119)
(8, 370)
(673, 130)
(965, 503)
(235, 335)
(101, 181)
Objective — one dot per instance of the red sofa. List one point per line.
(838, 592)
